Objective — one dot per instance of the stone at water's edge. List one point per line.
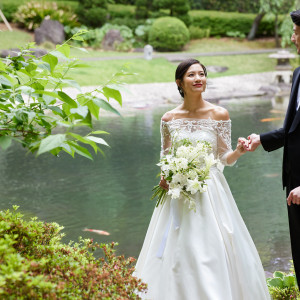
(51, 31)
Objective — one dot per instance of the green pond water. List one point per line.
(112, 193)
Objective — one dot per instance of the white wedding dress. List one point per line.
(207, 254)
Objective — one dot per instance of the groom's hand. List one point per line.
(294, 196)
(253, 142)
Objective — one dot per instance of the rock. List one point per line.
(51, 31)
(14, 52)
(216, 69)
(112, 36)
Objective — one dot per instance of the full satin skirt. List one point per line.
(203, 255)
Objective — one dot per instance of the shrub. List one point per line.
(120, 11)
(131, 23)
(31, 14)
(283, 286)
(220, 23)
(35, 264)
(198, 33)
(95, 36)
(168, 34)
(92, 13)
(142, 31)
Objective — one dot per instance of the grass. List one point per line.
(161, 70)
(14, 39)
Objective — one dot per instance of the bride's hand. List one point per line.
(163, 183)
(241, 146)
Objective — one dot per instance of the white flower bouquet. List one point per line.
(185, 168)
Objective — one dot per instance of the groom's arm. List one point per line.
(272, 140)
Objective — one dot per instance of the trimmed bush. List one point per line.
(31, 14)
(220, 23)
(198, 33)
(168, 34)
(35, 264)
(120, 11)
(92, 13)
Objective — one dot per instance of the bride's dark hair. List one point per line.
(183, 67)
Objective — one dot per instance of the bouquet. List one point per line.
(185, 169)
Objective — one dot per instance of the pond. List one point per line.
(113, 193)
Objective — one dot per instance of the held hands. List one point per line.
(294, 196)
(252, 143)
(241, 145)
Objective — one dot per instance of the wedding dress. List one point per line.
(207, 254)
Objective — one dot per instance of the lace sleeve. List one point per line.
(165, 138)
(224, 141)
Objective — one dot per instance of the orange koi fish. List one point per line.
(102, 232)
(271, 119)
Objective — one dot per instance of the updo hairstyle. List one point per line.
(182, 69)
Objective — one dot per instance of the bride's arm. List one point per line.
(225, 153)
(165, 144)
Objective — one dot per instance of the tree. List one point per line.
(270, 8)
(143, 8)
(286, 28)
(178, 8)
(37, 112)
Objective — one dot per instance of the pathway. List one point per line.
(179, 56)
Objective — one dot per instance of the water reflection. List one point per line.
(113, 194)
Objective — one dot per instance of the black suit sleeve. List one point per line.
(273, 140)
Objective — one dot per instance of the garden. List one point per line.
(37, 114)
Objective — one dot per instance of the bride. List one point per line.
(207, 254)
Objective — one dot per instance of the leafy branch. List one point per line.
(36, 110)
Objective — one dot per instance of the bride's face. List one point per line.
(194, 80)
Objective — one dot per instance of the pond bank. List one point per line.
(144, 96)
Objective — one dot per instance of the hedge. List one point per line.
(220, 23)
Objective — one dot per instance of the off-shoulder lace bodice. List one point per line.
(217, 133)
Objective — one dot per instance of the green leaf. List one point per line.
(278, 274)
(97, 140)
(112, 93)
(77, 38)
(2, 66)
(94, 109)
(99, 132)
(51, 142)
(64, 49)
(57, 110)
(5, 142)
(67, 99)
(289, 281)
(81, 110)
(59, 55)
(276, 282)
(51, 60)
(5, 81)
(105, 105)
(80, 150)
(70, 82)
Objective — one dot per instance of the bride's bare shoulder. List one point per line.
(220, 113)
(169, 115)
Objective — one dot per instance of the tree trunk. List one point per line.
(276, 32)
(255, 24)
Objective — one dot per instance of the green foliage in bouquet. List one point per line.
(283, 286)
(35, 264)
(34, 104)
(31, 14)
(168, 34)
